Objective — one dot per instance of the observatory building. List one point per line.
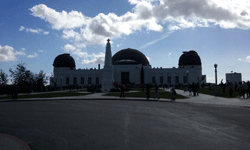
(127, 66)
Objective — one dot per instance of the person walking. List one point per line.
(122, 88)
(189, 89)
(194, 89)
(173, 92)
(197, 89)
(157, 92)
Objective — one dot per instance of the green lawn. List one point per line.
(163, 94)
(48, 95)
(221, 94)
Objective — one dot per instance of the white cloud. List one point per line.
(7, 53)
(33, 56)
(46, 32)
(21, 28)
(40, 51)
(239, 59)
(149, 15)
(94, 59)
(69, 47)
(38, 31)
(23, 49)
(248, 58)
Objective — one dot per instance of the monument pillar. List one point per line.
(108, 72)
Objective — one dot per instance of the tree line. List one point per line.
(22, 80)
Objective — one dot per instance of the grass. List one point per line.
(48, 95)
(221, 94)
(140, 94)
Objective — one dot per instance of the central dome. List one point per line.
(129, 57)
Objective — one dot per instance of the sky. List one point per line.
(35, 32)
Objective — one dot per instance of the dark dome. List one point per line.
(129, 57)
(64, 60)
(189, 58)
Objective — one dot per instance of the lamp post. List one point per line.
(216, 88)
(187, 77)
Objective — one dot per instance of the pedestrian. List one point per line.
(197, 88)
(142, 87)
(194, 89)
(190, 89)
(231, 92)
(148, 91)
(157, 92)
(172, 91)
(248, 92)
(122, 88)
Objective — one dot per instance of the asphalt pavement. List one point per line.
(198, 122)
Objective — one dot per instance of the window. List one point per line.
(97, 80)
(67, 80)
(169, 79)
(153, 79)
(75, 80)
(89, 80)
(161, 79)
(82, 80)
(176, 79)
(184, 79)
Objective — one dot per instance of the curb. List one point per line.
(23, 144)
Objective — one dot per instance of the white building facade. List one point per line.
(128, 66)
(233, 77)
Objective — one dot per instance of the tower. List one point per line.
(108, 72)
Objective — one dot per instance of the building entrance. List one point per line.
(125, 77)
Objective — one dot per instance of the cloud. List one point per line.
(94, 59)
(149, 15)
(239, 59)
(7, 53)
(248, 58)
(23, 49)
(38, 31)
(68, 48)
(33, 56)
(40, 51)
(21, 28)
(46, 32)
(156, 40)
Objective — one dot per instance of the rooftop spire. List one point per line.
(108, 56)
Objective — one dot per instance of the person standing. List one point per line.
(142, 87)
(122, 88)
(197, 89)
(157, 92)
(194, 89)
(173, 92)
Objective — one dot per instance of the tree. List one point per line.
(40, 81)
(22, 77)
(3, 78)
(21, 74)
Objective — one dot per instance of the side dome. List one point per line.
(129, 57)
(190, 58)
(64, 60)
